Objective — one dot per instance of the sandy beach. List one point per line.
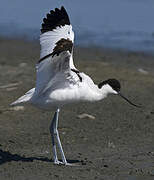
(117, 144)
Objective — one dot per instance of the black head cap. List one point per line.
(115, 84)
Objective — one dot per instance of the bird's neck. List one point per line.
(97, 94)
(105, 90)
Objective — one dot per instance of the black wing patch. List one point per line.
(56, 18)
(44, 57)
(78, 73)
(61, 45)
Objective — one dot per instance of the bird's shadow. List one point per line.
(6, 156)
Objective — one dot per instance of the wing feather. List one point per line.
(56, 42)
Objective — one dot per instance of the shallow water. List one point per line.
(117, 24)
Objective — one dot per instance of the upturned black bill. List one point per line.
(128, 100)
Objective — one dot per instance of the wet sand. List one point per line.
(117, 145)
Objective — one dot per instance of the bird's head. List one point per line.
(112, 86)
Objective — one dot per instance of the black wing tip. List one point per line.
(63, 9)
(55, 18)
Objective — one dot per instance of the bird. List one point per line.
(58, 81)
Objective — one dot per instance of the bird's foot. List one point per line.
(57, 162)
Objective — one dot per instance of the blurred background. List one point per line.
(113, 39)
(124, 24)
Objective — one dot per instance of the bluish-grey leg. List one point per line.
(55, 158)
(58, 139)
(55, 134)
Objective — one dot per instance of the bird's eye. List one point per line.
(118, 89)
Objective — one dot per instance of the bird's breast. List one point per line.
(60, 97)
(78, 93)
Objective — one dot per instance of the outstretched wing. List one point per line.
(56, 41)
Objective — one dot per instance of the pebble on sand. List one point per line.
(84, 115)
(17, 108)
(143, 71)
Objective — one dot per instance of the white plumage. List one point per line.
(49, 39)
(58, 81)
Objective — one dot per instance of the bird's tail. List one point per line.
(24, 99)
